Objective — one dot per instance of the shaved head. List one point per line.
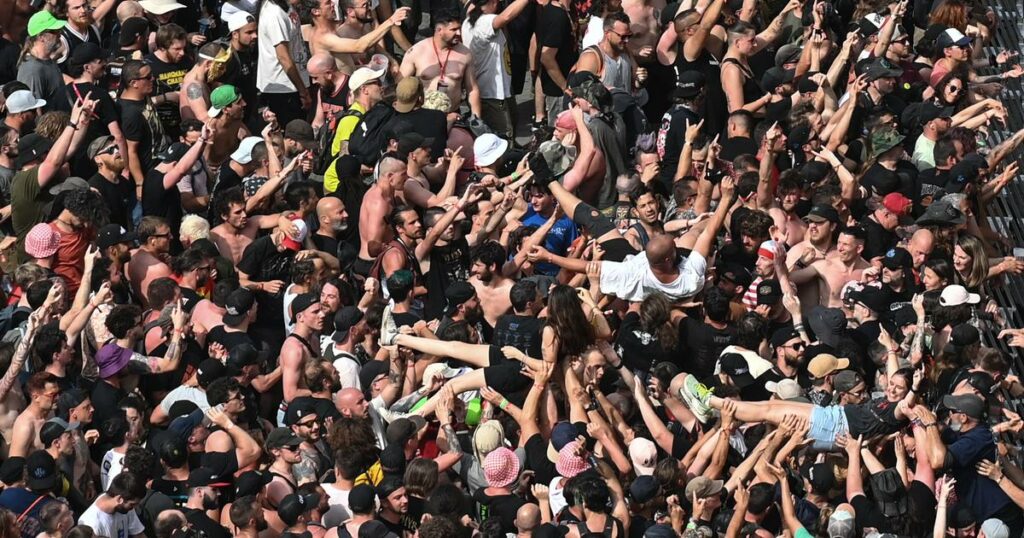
(321, 63)
(129, 9)
(327, 205)
(661, 250)
(527, 517)
(921, 245)
(350, 402)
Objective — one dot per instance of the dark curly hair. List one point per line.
(123, 318)
(222, 202)
(87, 206)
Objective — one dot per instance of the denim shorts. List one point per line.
(827, 423)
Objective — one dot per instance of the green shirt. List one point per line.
(29, 203)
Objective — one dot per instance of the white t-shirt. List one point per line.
(348, 370)
(110, 467)
(114, 525)
(277, 26)
(595, 32)
(490, 55)
(339, 511)
(632, 279)
(188, 394)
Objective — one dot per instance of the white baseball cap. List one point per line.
(159, 7)
(23, 101)
(243, 155)
(238, 20)
(956, 295)
(362, 76)
(488, 148)
(785, 389)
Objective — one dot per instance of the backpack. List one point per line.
(368, 140)
(325, 140)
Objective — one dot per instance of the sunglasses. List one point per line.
(624, 37)
(952, 88)
(109, 150)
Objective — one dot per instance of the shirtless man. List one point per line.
(377, 204)
(228, 124)
(821, 223)
(12, 402)
(237, 230)
(417, 191)
(358, 19)
(833, 272)
(492, 288)
(443, 63)
(195, 105)
(643, 19)
(783, 211)
(149, 261)
(43, 392)
(299, 347)
(648, 212)
(325, 36)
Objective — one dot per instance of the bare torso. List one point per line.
(795, 226)
(206, 316)
(183, 105)
(344, 61)
(427, 63)
(833, 275)
(10, 408)
(643, 17)
(494, 297)
(144, 268)
(232, 242)
(809, 295)
(371, 220)
(27, 424)
(225, 139)
(351, 61)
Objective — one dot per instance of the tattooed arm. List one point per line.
(195, 95)
(169, 362)
(306, 469)
(21, 352)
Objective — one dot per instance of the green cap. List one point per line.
(44, 21)
(221, 98)
(884, 139)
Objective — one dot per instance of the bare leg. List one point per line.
(477, 355)
(772, 412)
(464, 383)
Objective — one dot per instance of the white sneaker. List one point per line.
(388, 329)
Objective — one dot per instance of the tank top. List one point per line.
(642, 233)
(751, 90)
(616, 73)
(609, 522)
(714, 109)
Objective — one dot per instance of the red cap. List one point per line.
(897, 203)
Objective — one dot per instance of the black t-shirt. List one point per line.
(227, 179)
(140, 123)
(537, 460)
(673, 129)
(105, 398)
(326, 244)
(875, 417)
(554, 30)
(701, 344)
(202, 522)
(160, 201)
(429, 124)
(736, 146)
(168, 79)
(8, 60)
(229, 340)
(448, 263)
(176, 490)
(241, 73)
(639, 349)
(879, 240)
(263, 263)
(119, 198)
(520, 332)
(503, 507)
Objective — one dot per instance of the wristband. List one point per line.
(503, 404)
(73, 125)
(515, 176)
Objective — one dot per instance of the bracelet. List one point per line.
(616, 366)
(515, 176)
(503, 404)
(73, 125)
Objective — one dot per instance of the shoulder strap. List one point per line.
(600, 60)
(24, 514)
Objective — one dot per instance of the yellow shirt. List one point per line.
(346, 125)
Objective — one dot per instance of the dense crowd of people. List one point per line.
(306, 269)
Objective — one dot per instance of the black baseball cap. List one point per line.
(458, 292)
(293, 505)
(70, 399)
(897, 258)
(370, 371)
(113, 234)
(361, 499)
(209, 371)
(204, 476)
(876, 299)
(643, 489)
(775, 77)
(402, 429)
(241, 356)
(736, 273)
(41, 471)
(301, 303)
(408, 142)
(344, 320)
(131, 29)
(769, 292)
(173, 153)
(237, 306)
(31, 147)
(737, 368)
(822, 213)
(12, 470)
(86, 52)
(298, 409)
(251, 483)
(281, 437)
(689, 84)
(54, 428)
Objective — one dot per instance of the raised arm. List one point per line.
(247, 451)
(693, 44)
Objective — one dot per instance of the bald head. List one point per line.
(527, 517)
(350, 402)
(129, 9)
(321, 63)
(661, 251)
(326, 206)
(921, 245)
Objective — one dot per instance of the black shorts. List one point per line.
(509, 381)
(590, 218)
(362, 267)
